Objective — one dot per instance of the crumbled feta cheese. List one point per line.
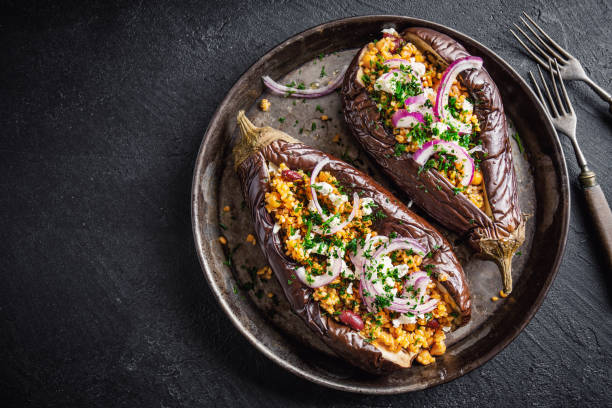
(323, 188)
(338, 200)
(388, 82)
(387, 264)
(366, 206)
(446, 329)
(404, 319)
(295, 236)
(390, 31)
(311, 206)
(402, 270)
(320, 248)
(439, 127)
(418, 68)
(349, 289)
(467, 106)
(276, 228)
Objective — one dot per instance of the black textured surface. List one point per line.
(102, 301)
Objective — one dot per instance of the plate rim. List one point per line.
(217, 121)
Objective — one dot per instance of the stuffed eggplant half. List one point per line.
(433, 119)
(379, 284)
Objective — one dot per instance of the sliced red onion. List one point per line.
(446, 82)
(282, 90)
(418, 281)
(433, 146)
(415, 276)
(415, 100)
(358, 259)
(313, 178)
(320, 280)
(422, 308)
(419, 69)
(339, 227)
(405, 119)
(397, 244)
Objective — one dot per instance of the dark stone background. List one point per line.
(102, 301)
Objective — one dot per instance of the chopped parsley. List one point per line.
(519, 142)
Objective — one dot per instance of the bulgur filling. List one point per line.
(342, 237)
(400, 77)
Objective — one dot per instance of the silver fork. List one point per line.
(563, 117)
(569, 67)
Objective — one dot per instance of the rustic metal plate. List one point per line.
(257, 307)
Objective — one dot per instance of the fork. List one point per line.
(570, 67)
(561, 113)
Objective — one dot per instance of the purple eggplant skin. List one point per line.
(499, 230)
(253, 152)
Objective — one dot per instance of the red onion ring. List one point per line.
(423, 308)
(415, 100)
(405, 119)
(320, 280)
(339, 227)
(282, 90)
(313, 177)
(397, 304)
(424, 153)
(358, 259)
(400, 243)
(446, 82)
(398, 62)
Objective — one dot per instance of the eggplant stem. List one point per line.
(255, 138)
(502, 250)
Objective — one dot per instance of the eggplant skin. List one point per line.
(504, 229)
(343, 340)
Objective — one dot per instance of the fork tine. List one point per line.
(553, 108)
(533, 55)
(550, 50)
(537, 47)
(540, 96)
(554, 82)
(567, 99)
(557, 46)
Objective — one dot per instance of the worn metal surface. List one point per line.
(488, 331)
(103, 302)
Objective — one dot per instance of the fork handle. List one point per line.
(599, 209)
(600, 91)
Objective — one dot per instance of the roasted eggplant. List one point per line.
(433, 119)
(377, 282)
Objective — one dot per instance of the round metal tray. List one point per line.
(266, 321)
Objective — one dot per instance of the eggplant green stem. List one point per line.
(502, 250)
(253, 138)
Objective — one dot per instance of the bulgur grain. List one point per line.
(264, 105)
(288, 203)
